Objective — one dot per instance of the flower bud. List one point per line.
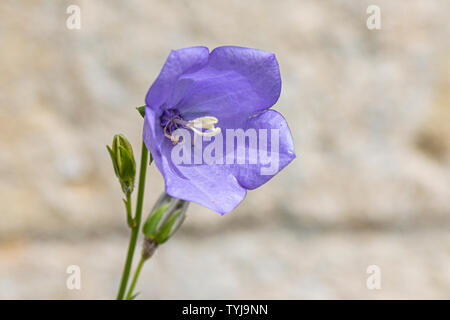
(123, 161)
(165, 218)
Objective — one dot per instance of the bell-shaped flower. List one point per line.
(209, 126)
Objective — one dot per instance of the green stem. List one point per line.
(130, 220)
(135, 278)
(137, 223)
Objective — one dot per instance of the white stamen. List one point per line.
(197, 125)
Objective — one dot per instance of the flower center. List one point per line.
(171, 120)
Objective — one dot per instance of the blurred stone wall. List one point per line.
(369, 112)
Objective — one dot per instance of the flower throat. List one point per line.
(171, 120)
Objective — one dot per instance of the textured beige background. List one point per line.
(369, 111)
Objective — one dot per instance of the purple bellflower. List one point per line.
(218, 97)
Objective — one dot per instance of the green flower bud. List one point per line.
(165, 218)
(123, 161)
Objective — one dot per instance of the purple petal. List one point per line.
(208, 185)
(178, 62)
(259, 67)
(252, 176)
(238, 82)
